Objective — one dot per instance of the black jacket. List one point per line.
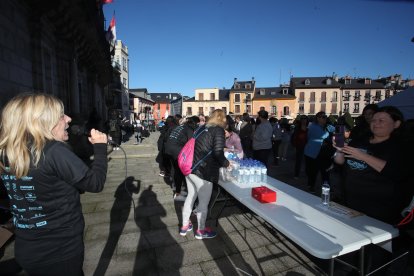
(211, 140)
(177, 139)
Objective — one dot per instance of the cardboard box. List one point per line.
(264, 194)
(5, 235)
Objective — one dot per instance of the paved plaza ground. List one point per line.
(140, 237)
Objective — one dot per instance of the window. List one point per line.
(286, 110)
(301, 108)
(249, 109)
(273, 109)
(323, 107)
(357, 95)
(124, 64)
(247, 86)
(346, 107)
(200, 97)
(378, 95)
(224, 109)
(356, 108)
(158, 106)
(301, 96)
(312, 109)
(307, 82)
(334, 96)
(167, 107)
(367, 96)
(328, 82)
(236, 98)
(285, 91)
(211, 96)
(200, 111)
(237, 86)
(262, 92)
(312, 97)
(237, 109)
(347, 94)
(323, 97)
(387, 94)
(347, 81)
(189, 111)
(124, 82)
(248, 96)
(333, 109)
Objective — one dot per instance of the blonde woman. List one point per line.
(43, 178)
(208, 148)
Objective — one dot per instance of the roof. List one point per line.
(223, 96)
(273, 93)
(360, 83)
(314, 82)
(164, 97)
(243, 85)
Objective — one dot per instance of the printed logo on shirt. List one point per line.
(26, 178)
(36, 208)
(16, 197)
(27, 188)
(357, 164)
(30, 197)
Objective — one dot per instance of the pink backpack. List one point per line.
(186, 155)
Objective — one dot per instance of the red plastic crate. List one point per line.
(264, 194)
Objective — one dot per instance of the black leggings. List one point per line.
(70, 267)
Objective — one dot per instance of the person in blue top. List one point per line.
(317, 157)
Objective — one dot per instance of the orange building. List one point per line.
(162, 105)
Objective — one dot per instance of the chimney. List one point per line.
(235, 80)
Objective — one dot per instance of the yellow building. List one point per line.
(278, 101)
(206, 100)
(241, 95)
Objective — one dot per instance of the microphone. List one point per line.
(79, 131)
(82, 131)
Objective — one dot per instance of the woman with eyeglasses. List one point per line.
(316, 159)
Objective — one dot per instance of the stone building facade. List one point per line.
(56, 47)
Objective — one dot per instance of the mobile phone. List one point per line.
(339, 136)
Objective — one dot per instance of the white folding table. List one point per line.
(300, 216)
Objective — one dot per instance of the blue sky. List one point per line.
(181, 45)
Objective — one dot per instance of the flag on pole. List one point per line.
(111, 33)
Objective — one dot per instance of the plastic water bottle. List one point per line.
(264, 174)
(326, 193)
(258, 173)
(252, 174)
(240, 175)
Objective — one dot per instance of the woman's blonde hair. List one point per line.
(26, 125)
(217, 118)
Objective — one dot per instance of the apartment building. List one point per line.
(314, 94)
(241, 96)
(206, 100)
(120, 61)
(358, 92)
(278, 101)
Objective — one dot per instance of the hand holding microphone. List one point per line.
(98, 137)
(94, 136)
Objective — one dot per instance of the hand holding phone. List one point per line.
(339, 136)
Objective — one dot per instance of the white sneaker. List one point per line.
(179, 197)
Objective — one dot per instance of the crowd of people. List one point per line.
(372, 166)
(372, 159)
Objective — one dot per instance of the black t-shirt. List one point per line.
(46, 203)
(377, 194)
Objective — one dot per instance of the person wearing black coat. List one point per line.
(209, 148)
(162, 158)
(175, 142)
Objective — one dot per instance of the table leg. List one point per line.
(331, 266)
(361, 260)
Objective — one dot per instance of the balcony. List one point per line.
(357, 98)
(356, 111)
(377, 98)
(346, 98)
